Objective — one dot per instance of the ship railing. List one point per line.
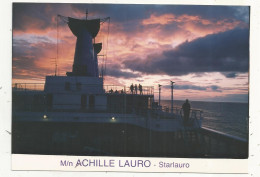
(175, 110)
(113, 89)
(195, 116)
(194, 113)
(117, 89)
(164, 112)
(216, 142)
(28, 86)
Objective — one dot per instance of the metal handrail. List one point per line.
(228, 137)
(146, 90)
(28, 86)
(193, 115)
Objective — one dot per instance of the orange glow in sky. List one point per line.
(147, 44)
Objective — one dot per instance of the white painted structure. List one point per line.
(75, 93)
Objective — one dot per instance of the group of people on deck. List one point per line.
(116, 92)
(133, 89)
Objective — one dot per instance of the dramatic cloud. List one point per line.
(204, 49)
(27, 58)
(114, 71)
(131, 12)
(223, 52)
(32, 17)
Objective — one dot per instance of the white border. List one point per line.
(121, 164)
(5, 90)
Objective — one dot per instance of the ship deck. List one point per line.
(93, 137)
(125, 132)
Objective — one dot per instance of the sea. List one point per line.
(226, 117)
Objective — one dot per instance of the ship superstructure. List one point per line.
(82, 88)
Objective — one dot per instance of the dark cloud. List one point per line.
(38, 16)
(242, 13)
(223, 52)
(128, 12)
(230, 75)
(117, 12)
(30, 16)
(189, 87)
(41, 15)
(213, 88)
(130, 16)
(114, 71)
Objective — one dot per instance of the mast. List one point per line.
(172, 96)
(57, 48)
(159, 94)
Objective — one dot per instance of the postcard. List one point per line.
(130, 87)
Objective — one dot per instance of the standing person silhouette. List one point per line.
(135, 89)
(186, 111)
(132, 88)
(140, 89)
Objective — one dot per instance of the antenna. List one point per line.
(57, 47)
(104, 56)
(55, 62)
(86, 14)
(172, 86)
(107, 44)
(102, 66)
(159, 85)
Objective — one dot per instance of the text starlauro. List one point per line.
(107, 163)
(173, 165)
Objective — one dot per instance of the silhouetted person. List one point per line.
(122, 91)
(186, 111)
(140, 89)
(135, 89)
(132, 88)
(111, 91)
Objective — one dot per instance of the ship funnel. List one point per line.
(85, 57)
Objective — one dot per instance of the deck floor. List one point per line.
(96, 139)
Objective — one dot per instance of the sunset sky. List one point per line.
(203, 49)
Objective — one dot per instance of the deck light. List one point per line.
(113, 118)
(45, 116)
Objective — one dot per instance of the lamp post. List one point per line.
(159, 94)
(172, 86)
